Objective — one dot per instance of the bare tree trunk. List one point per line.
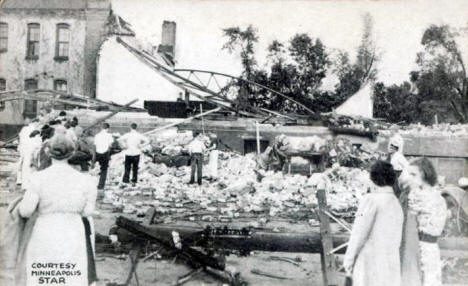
(460, 114)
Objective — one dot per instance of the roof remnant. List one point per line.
(118, 26)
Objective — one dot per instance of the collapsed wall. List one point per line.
(445, 145)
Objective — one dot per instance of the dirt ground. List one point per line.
(166, 272)
(114, 268)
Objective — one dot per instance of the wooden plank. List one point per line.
(327, 258)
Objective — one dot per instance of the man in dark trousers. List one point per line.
(103, 142)
(133, 142)
(196, 149)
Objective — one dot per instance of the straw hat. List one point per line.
(61, 147)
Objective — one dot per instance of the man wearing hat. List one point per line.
(395, 153)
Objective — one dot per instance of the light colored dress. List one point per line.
(375, 240)
(30, 146)
(61, 195)
(430, 209)
(213, 164)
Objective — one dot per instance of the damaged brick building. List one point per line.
(49, 45)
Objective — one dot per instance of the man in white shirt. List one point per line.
(103, 142)
(133, 141)
(196, 149)
(397, 159)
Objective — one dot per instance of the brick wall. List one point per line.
(15, 68)
(96, 19)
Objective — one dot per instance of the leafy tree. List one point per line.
(296, 71)
(396, 103)
(442, 77)
(243, 40)
(311, 61)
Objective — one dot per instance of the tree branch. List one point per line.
(460, 115)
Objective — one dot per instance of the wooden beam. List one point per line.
(327, 258)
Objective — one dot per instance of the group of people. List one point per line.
(397, 225)
(133, 142)
(393, 241)
(35, 135)
(60, 196)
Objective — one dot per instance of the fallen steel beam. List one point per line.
(260, 240)
(308, 242)
(195, 257)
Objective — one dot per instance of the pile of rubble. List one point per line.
(445, 130)
(241, 190)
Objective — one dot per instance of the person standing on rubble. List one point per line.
(133, 141)
(372, 256)
(196, 149)
(396, 158)
(213, 161)
(103, 142)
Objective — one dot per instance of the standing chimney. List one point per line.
(168, 39)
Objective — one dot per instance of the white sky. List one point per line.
(398, 27)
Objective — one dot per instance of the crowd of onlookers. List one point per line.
(393, 241)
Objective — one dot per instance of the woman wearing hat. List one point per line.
(61, 196)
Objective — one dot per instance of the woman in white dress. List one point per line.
(56, 252)
(373, 252)
(427, 204)
(213, 159)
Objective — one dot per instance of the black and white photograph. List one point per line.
(234, 142)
